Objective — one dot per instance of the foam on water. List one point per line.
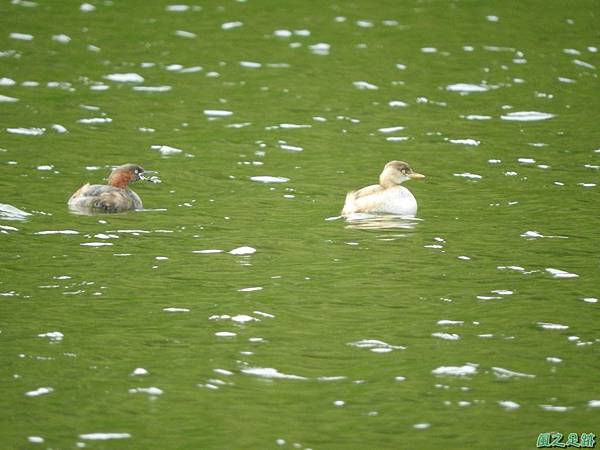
(457, 371)
(129, 77)
(27, 131)
(39, 391)
(251, 289)
(56, 232)
(231, 25)
(291, 148)
(390, 129)
(469, 175)
(472, 142)
(104, 436)
(9, 212)
(166, 150)
(557, 273)
(59, 128)
(477, 117)
(450, 322)
(552, 326)
(4, 81)
(376, 346)
(321, 48)
(61, 38)
(250, 64)
(176, 310)
(243, 251)
(556, 408)
(505, 373)
(225, 334)
(269, 179)
(87, 7)
(185, 34)
(466, 88)
(397, 138)
(364, 85)
(177, 8)
(152, 88)
(446, 336)
(509, 405)
(54, 336)
(243, 318)
(527, 116)
(21, 36)
(217, 113)
(152, 390)
(7, 99)
(95, 120)
(269, 372)
(294, 125)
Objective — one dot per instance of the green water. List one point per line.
(327, 285)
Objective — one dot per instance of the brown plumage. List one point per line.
(112, 197)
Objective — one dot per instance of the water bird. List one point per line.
(387, 197)
(112, 197)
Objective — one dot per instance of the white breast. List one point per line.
(398, 200)
(395, 200)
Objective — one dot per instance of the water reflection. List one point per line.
(364, 221)
(9, 212)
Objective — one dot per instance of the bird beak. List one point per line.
(415, 176)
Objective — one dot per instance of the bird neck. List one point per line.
(386, 179)
(119, 179)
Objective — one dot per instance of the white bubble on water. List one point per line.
(469, 141)
(321, 48)
(505, 373)
(27, 131)
(217, 113)
(557, 273)
(269, 372)
(509, 405)
(125, 77)
(39, 391)
(468, 175)
(231, 25)
(552, 326)
(467, 88)
(457, 371)
(250, 64)
(527, 116)
(446, 336)
(269, 179)
(364, 85)
(21, 36)
(225, 334)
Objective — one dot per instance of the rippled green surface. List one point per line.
(327, 283)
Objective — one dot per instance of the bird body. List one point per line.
(112, 197)
(387, 197)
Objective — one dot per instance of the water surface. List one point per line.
(236, 311)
